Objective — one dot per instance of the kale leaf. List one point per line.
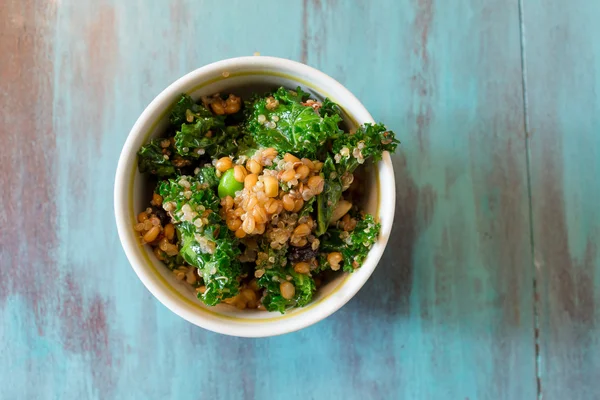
(193, 139)
(274, 301)
(282, 121)
(208, 175)
(184, 109)
(205, 241)
(350, 151)
(329, 108)
(307, 209)
(175, 191)
(200, 132)
(151, 159)
(276, 269)
(332, 192)
(268, 257)
(171, 262)
(354, 246)
(246, 146)
(215, 255)
(369, 141)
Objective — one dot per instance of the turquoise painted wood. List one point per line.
(488, 289)
(563, 91)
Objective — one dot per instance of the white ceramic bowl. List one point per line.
(132, 193)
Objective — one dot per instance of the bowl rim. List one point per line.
(212, 320)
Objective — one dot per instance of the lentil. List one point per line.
(302, 230)
(259, 214)
(259, 229)
(302, 267)
(253, 166)
(316, 184)
(240, 233)
(298, 204)
(152, 234)
(288, 202)
(250, 181)
(290, 158)
(302, 171)
(142, 216)
(169, 232)
(234, 224)
(288, 290)
(223, 164)
(248, 224)
(288, 175)
(271, 186)
(334, 260)
(274, 206)
(239, 173)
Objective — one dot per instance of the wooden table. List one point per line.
(490, 287)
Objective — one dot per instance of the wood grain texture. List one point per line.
(453, 318)
(448, 314)
(563, 87)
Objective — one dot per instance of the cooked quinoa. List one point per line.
(251, 205)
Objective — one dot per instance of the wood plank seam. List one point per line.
(535, 300)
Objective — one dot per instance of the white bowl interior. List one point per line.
(243, 79)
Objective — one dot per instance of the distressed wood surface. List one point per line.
(452, 310)
(563, 91)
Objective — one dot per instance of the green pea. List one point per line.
(228, 185)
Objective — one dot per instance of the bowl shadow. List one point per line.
(391, 281)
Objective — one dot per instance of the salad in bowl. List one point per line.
(257, 200)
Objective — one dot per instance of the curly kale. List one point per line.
(271, 281)
(308, 208)
(194, 140)
(350, 151)
(174, 192)
(208, 175)
(354, 246)
(246, 146)
(369, 141)
(284, 121)
(277, 269)
(215, 254)
(171, 262)
(329, 108)
(185, 109)
(151, 159)
(269, 257)
(206, 243)
(200, 132)
(331, 194)
(288, 121)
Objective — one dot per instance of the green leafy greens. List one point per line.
(290, 122)
(208, 175)
(271, 281)
(350, 151)
(206, 243)
(354, 246)
(285, 122)
(184, 109)
(151, 159)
